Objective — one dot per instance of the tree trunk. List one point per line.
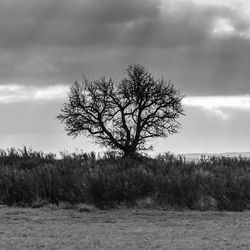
(129, 153)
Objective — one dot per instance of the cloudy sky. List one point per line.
(202, 45)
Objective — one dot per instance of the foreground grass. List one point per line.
(51, 228)
(32, 179)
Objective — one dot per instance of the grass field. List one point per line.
(53, 228)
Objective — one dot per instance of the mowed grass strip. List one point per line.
(53, 228)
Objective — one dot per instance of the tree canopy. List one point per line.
(123, 115)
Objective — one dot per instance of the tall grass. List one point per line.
(221, 183)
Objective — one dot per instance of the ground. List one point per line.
(53, 228)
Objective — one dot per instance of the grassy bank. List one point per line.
(133, 229)
(28, 178)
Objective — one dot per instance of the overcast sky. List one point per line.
(202, 45)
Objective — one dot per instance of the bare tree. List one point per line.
(124, 115)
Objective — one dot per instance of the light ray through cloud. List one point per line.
(227, 17)
(23, 93)
(219, 105)
(223, 26)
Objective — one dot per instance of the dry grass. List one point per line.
(53, 228)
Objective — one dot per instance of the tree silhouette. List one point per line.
(124, 115)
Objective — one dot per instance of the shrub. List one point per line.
(28, 177)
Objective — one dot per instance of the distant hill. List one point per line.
(196, 156)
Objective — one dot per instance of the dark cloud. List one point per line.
(219, 67)
(104, 23)
(69, 23)
(54, 42)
